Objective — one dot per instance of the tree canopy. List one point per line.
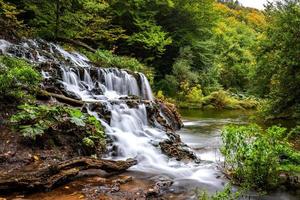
(189, 45)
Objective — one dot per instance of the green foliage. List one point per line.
(35, 121)
(108, 59)
(224, 100)
(255, 157)
(277, 75)
(9, 18)
(235, 60)
(17, 78)
(88, 142)
(86, 20)
(151, 37)
(295, 133)
(225, 194)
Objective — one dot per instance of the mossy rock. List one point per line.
(209, 107)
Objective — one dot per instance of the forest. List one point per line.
(76, 77)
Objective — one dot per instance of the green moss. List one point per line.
(18, 79)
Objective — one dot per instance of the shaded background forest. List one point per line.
(193, 51)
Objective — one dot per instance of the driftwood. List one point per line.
(51, 176)
(62, 98)
(79, 103)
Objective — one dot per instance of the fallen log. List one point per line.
(79, 103)
(62, 98)
(51, 176)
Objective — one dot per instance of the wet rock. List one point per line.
(123, 179)
(161, 186)
(170, 114)
(179, 151)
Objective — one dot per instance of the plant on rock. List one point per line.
(17, 78)
(34, 122)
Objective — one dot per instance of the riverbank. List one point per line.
(218, 100)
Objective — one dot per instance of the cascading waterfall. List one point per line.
(129, 128)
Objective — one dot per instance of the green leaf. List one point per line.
(77, 121)
(32, 131)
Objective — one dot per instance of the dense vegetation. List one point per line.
(209, 54)
(218, 45)
(36, 122)
(18, 79)
(256, 158)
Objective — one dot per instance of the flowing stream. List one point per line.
(128, 127)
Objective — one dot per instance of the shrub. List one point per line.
(35, 121)
(17, 78)
(108, 59)
(191, 94)
(255, 157)
(225, 194)
(217, 99)
(224, 100)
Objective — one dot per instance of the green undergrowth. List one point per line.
(218, 100)
(258, 158)
(226, 194)
(106, 58)
(37, 121)
(18, 79)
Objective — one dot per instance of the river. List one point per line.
(201, 132)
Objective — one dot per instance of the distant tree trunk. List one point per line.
(57, 20)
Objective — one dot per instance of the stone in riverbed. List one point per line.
(179, 151)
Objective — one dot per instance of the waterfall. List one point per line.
(128, 126)
(146, 89)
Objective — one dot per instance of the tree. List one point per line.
(278, 71)
(9, 21)
(86, 20)
(235, 58)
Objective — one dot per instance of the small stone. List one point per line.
(36, 158)
(123, 179)
(151, 190)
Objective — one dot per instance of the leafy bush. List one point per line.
(35, 121)
(255, 157)
(108, 59)
(225, 194)
(295, 133)
(191, 94)
(16, 77)
(223, 100)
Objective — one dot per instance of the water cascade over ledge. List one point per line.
(137, 124)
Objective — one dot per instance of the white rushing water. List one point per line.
(128, 127)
